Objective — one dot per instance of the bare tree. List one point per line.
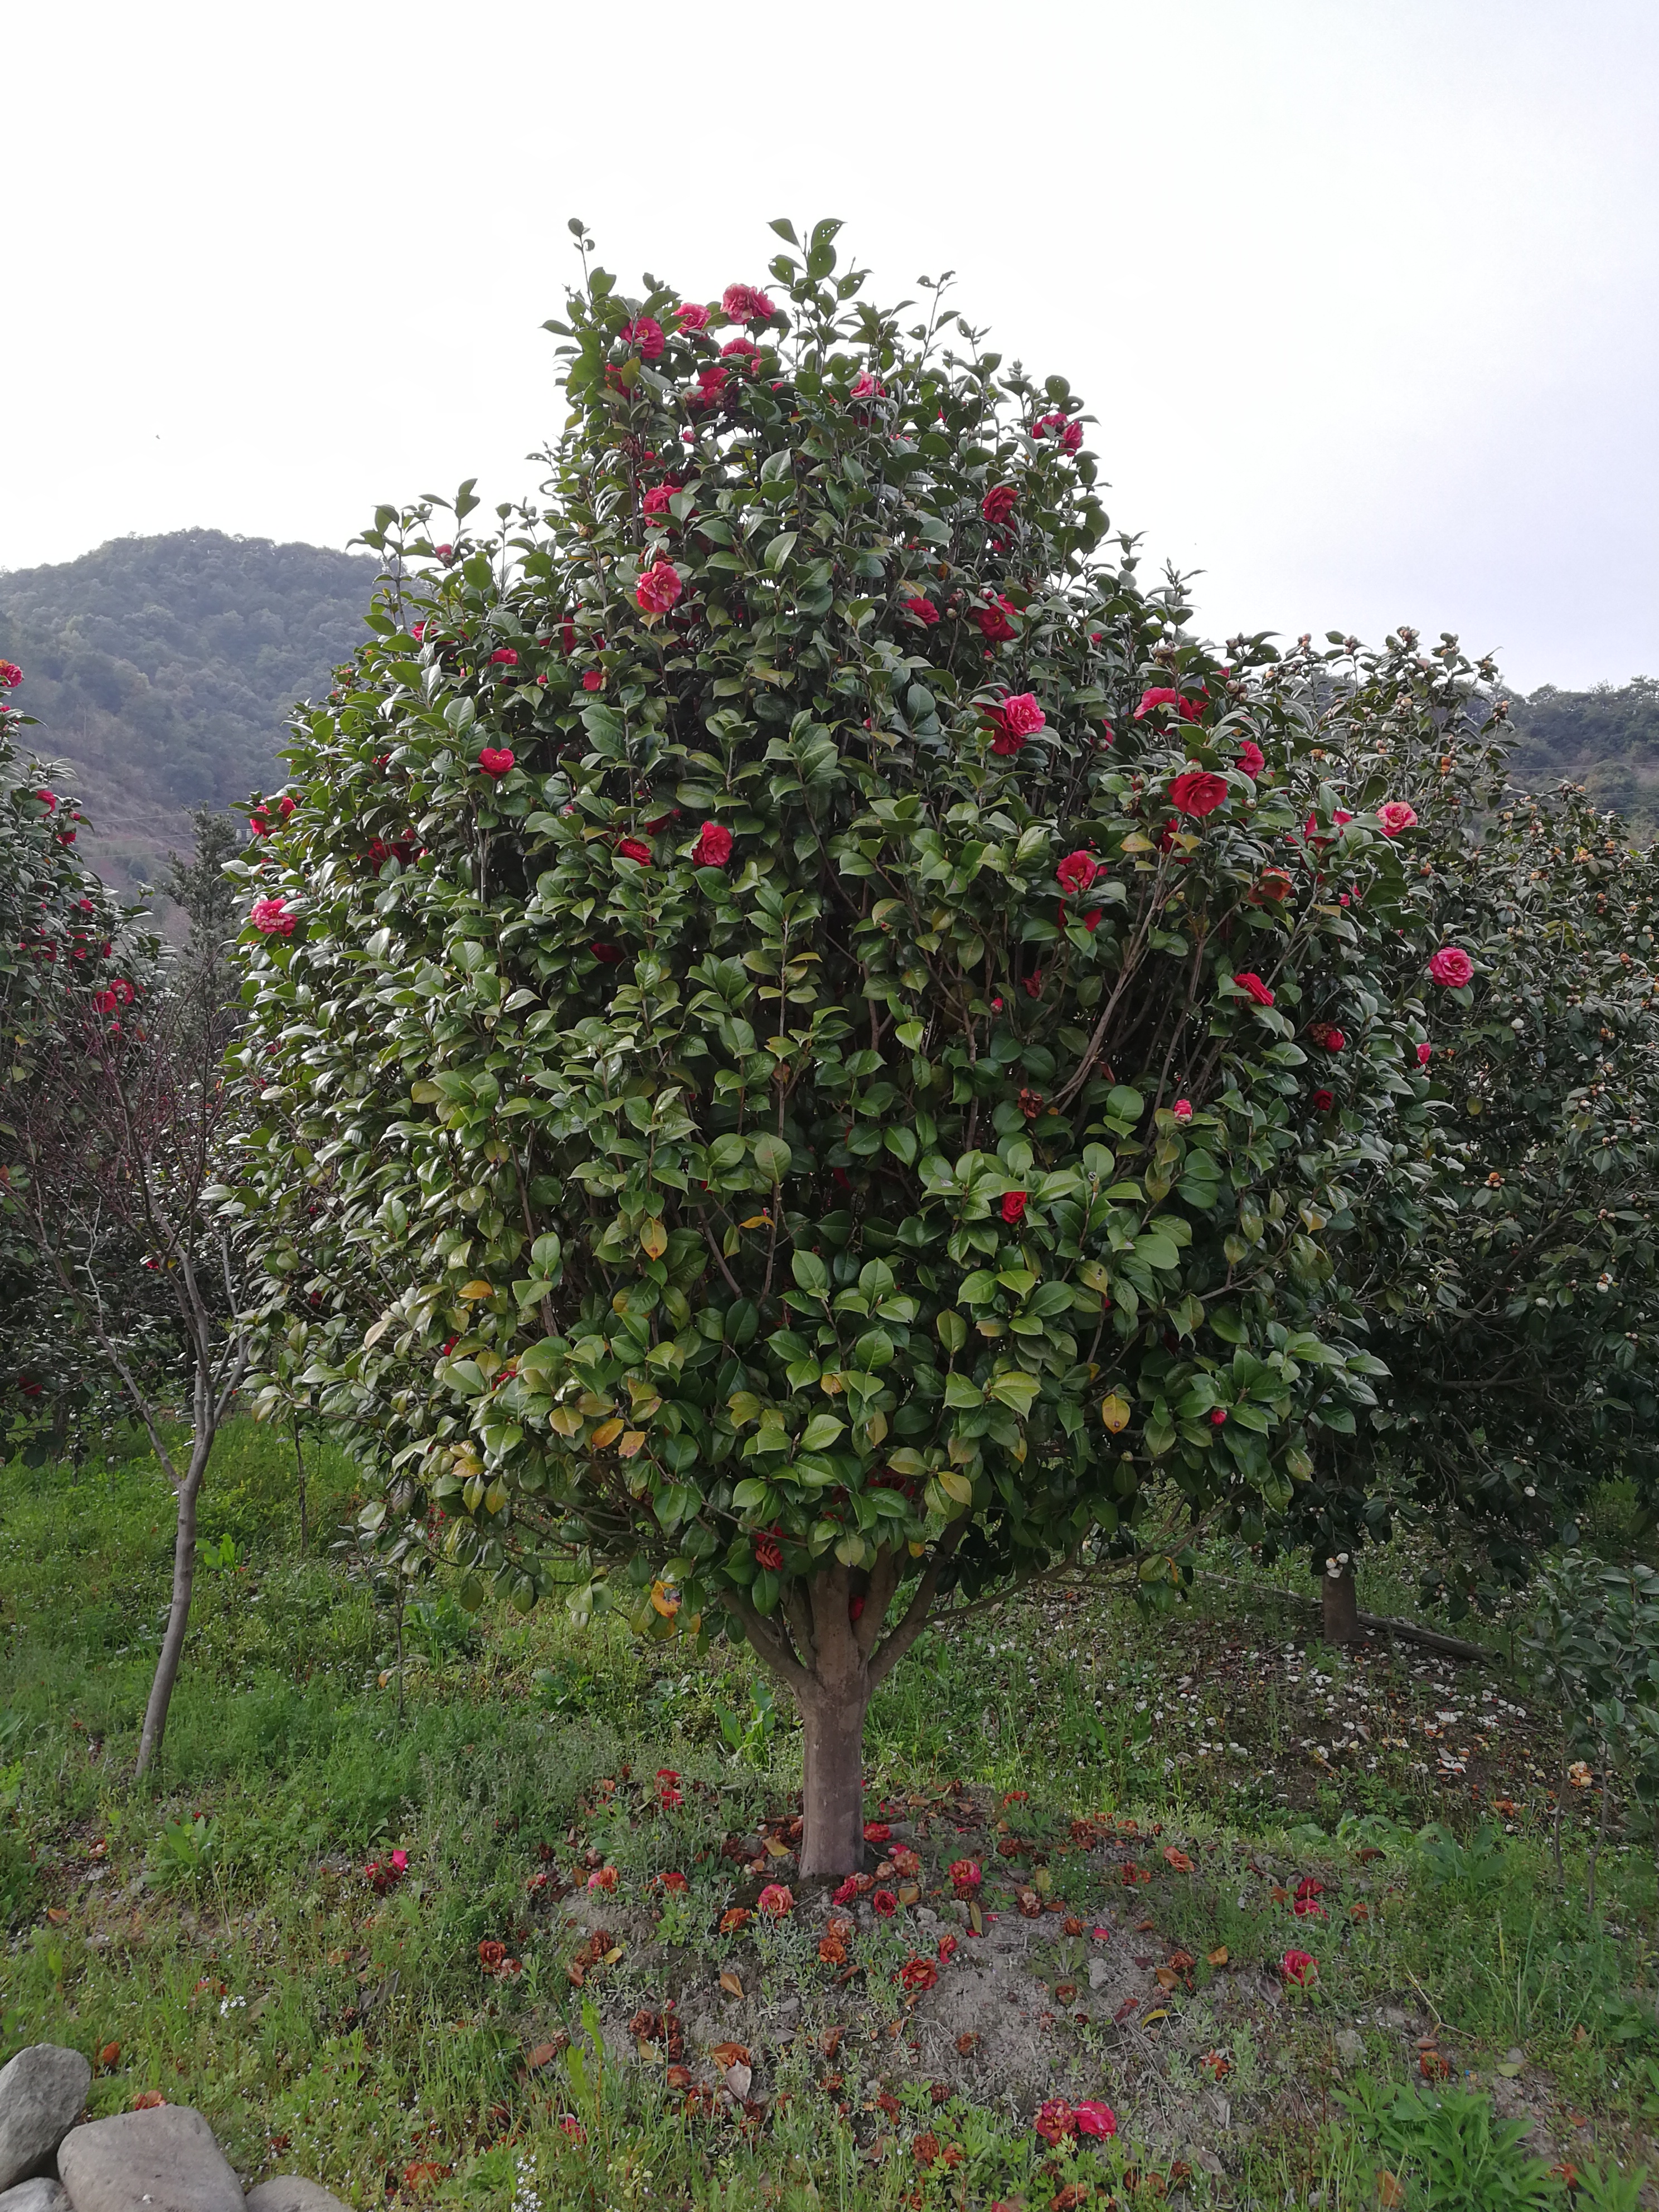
(122, 1143)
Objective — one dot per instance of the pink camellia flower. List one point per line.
(1451, 966)
(1183, 1110)
(884, 1903)
(285, 806)
(1077, 871)
(711, 385)
(10, 676)
(1300, 1968)
(1218, 1416)
(1095, 2119)
(1309, 828)
(1423, 1053)
(745, 303)
(659, 589)
(744, 350)
(495, 760)
(645, 334)
(713, 847)
(1251, 759)
(258, 821)
(504, 657)
(921, 611)
(48, 799)
(271, 917)
(994, 626)
(1199, 792)
(400, 1863)
(866, 386)
(1395, 816)
(999, 504)
(656, 500)
(690, 316)
(1247, 981)
(445, 552)
(1014, 1205)
(776, 1901)
(631, 849)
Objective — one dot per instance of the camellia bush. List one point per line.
(785, 1000)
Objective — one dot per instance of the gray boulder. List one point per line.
(164, 2159)
(287, 2192)
(41, 2093)
(43, 2194)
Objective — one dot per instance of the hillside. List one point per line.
(1606, 739)
(160, 670)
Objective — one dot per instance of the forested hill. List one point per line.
(161, 669)
(1606, 740)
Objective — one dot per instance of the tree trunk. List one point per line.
(1341, 1608)
(183, 1581)
(299, 1461)
(832, 1778)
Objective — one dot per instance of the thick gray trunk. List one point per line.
(832, 1781)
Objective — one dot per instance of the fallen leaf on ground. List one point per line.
(731, 1985)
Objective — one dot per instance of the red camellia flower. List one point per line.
(258, 821)
(690, 316)
(10, 676)
(919, 1974)
(603, 1877)
(1218, 1416)
(1253, 983)
(847, 1891)
(1323, 1101)
(1015, 720)
(645, 334)
(1056, 2121)
(445, 552)
(1325, 1033)
(592, 679)
(1095, 2119)
(495, 760)
(1451, 966)
(1069, 433)
(921, 611)
(656, 498)
(877, 1831)
(1251, 759)
(998, 505)
(1161, 696)
(610, 954)
(285, 806)
(746, 351)
(1183, 1110)
(745, 303)
(1423, 1052)
(674, 1882)
(1310, 826)
(768, 1553)
(504, 657)
(776, 1901)
(866, 386)
(1199, 792)
(631, 849)
(994, 626)
(659, 589)
(884, 1903)
(271, 917)
(1305, 1902)
(1395, 816)
(713, 847)
(104, 1002)
(965, 1876)
(1014, 1205)
(1077, 871)
(48, 799)
(1300, 1968)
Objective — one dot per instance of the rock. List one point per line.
(1099, 1973)
(162, 2161)
(1349, 2045)
(41, 2093)
(289, 2193)
(43, 2194)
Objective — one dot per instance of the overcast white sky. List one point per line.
(1363, 291)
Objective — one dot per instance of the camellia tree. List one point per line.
(784, 997)
(1516, 1307)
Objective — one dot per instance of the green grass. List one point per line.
(215, 1924)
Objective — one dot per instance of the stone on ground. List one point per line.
(43, 2194)
(41, 2093)
(287, 2192)
(162, 2161)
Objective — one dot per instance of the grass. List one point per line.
(213, 1932)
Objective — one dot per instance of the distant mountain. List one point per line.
(1606, 739)
(160, 670)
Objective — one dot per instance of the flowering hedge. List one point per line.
(791, 1003)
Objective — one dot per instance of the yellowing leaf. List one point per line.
(477, 1288)
(1114, 1412)
(774, 1850)
(564, 1420)
(630, 1444)
(654, 1239)
(1219, 1956)
(955, 1484)
(756, 1221)
(607, 1433)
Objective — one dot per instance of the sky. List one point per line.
(1364, 293)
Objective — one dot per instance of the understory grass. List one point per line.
(212, 1936)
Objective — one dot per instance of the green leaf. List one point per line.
(961, 1395)
(821, 1432)
(772, 1158)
